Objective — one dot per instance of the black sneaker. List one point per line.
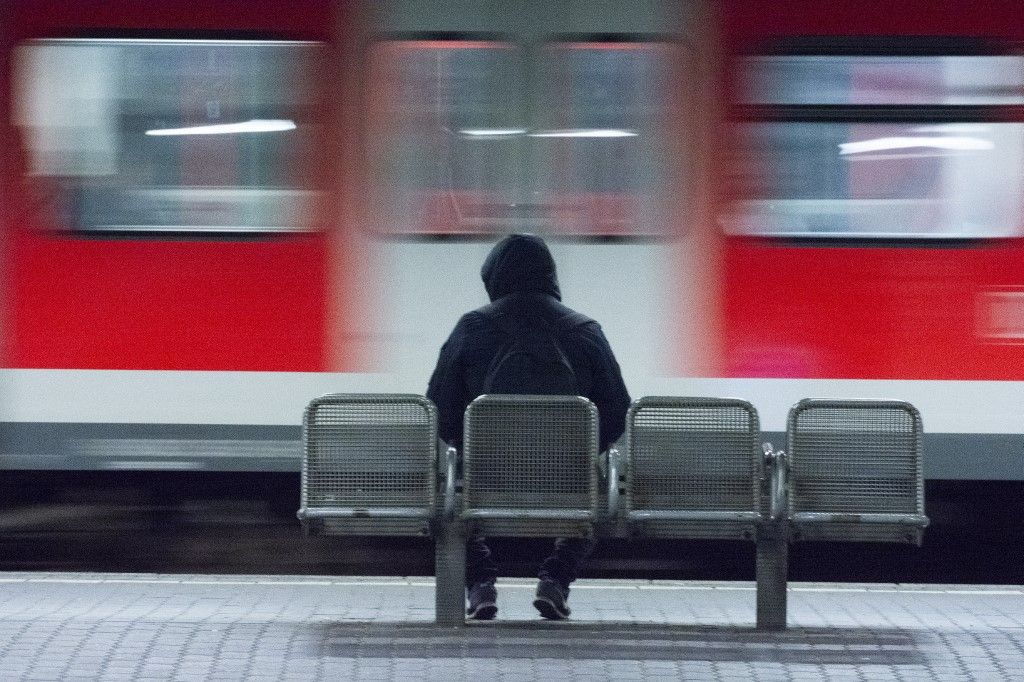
(482, 604)
(550, 601)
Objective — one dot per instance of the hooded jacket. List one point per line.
(519, 276)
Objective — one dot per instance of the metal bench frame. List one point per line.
(360, 424)
(737, 443)
(452, 514)
(435, 518)
(570, 433)
(787, 524)
(843, 428)
(538, 434)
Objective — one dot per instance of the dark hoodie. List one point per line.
(519, 275)
(520, 263)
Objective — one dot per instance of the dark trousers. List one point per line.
(562, 566)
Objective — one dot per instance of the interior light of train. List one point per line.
(955, 128)
(492, 132)
(255, 125)
(179, 41)
(505, 132)
(584, 132)
(890, 143)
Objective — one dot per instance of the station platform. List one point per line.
(90, 626)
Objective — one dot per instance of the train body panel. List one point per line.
(939, 307)
(175, 293)
(83, 290)
(245, 421)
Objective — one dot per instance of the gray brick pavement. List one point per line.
(167, 627)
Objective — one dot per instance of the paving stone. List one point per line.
(292, 628)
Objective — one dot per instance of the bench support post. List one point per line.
(450, 572)
(772, 570)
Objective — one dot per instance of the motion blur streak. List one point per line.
(210, 217)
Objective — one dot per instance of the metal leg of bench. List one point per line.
(772, 569)
(450, 571)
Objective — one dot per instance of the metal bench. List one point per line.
(693, 468)
(856, 470)
(853, 472)
(369, 465)
(530, 469)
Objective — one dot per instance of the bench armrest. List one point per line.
(777, 465)
(613, 483)
(451, 467)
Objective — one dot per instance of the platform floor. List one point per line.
(76, 626)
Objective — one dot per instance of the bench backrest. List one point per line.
(370, 463)
(856, 470)
(693, 467)
(530, 465)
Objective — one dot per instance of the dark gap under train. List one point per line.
(189, 522)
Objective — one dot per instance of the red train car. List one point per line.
(209, 218)
(174, 228)
(872, 236)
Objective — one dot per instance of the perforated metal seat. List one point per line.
(856, 471)
(369, 465)
(693, 468)
(530, 465)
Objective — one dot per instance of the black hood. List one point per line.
(520, 263)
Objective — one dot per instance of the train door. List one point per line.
(560, 119)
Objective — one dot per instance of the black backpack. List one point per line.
(531, 360)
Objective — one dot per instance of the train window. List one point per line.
(856, 79)
(447, 135)
(881, 147)
(460, 149)
(604, 145)
(870, 180)
(158, 136)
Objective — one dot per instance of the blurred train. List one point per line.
(211, 216)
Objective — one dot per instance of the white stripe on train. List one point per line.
(278, 398)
